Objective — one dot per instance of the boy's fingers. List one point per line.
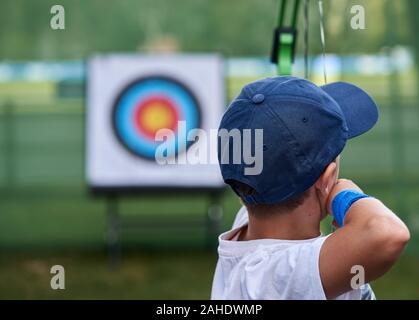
(341, 184)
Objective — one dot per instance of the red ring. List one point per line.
(147, 103)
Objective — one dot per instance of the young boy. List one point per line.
(275, 249)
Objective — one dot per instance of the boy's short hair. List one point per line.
(290, 204)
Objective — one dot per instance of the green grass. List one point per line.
(401, 282)
(167, 275)
(152, 275)
(40, 228)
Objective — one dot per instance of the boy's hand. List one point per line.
(373, 237)
(341, 184)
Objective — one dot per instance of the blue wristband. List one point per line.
(342, 202)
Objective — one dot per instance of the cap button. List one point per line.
(258, 98)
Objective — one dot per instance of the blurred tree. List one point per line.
(234, 27)
(413, 19)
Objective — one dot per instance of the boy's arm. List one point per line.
(372, 236)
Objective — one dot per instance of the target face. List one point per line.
(149, 104)
(130, 98)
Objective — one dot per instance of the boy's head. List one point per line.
(296, 131)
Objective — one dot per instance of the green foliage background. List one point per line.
(232, 27)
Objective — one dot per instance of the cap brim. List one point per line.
(358, 107)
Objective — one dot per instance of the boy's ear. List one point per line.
(327, 180)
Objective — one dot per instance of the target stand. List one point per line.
(209, 220)
(131, 99)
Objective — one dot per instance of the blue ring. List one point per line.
(141, 89)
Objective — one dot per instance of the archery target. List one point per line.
(148, 105)
(130, 98)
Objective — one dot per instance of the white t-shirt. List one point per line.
(271, 269)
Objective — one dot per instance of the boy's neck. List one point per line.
(299, 224)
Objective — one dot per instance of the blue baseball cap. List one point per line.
(305, 127)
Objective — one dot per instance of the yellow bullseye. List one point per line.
(156, 116)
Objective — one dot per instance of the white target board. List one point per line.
(151, 121)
